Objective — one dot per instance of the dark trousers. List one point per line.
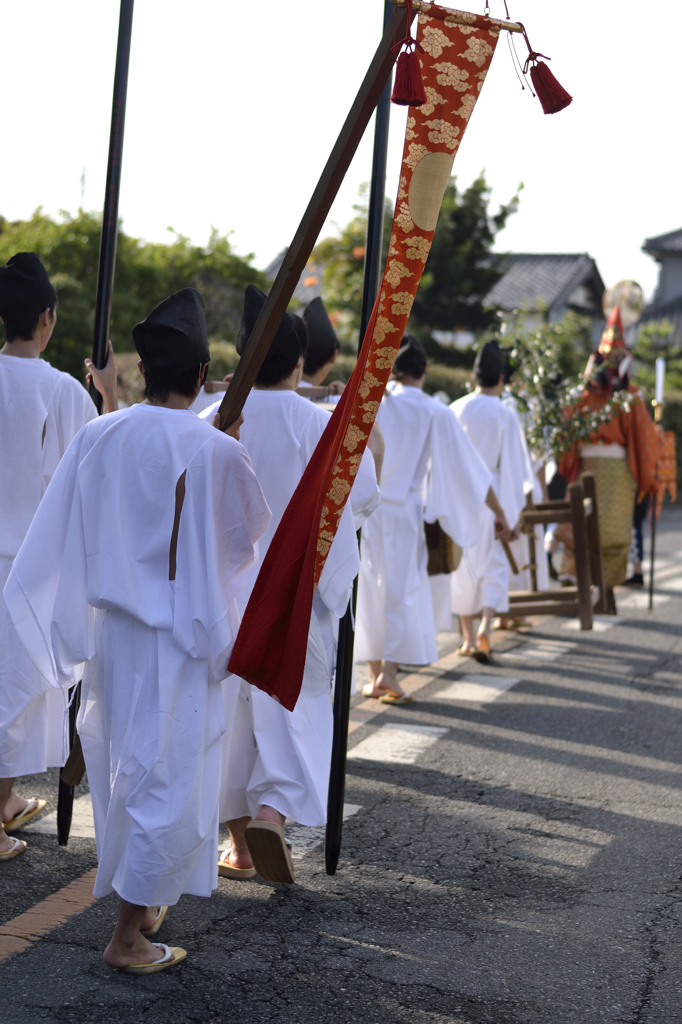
(640, 514)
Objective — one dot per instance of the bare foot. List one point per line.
(141, 951)
(267, 813)
(388, 683)
(14, 806)
(238, 858)
(6, 842)
(149, 919)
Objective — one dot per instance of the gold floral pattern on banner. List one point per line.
(455, 60)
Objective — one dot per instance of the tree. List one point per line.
(654, 339)
(461, 268)
(343, 260)
(460, 271)
(145, 273)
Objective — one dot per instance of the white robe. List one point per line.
(273, 756)
(91, 585)
(430, 472)
(204, 400)
(41, 411)
(482, 578)
(531, 485)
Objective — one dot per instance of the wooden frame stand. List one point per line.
(589, 596)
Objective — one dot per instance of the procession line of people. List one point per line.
(131, 543)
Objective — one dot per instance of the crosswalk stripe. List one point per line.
(600, 623)
(82, 821)
(479, 688)
(641, 599)
(304, 839)
(541, 650)
(397, 744)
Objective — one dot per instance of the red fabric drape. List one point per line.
(271, 645)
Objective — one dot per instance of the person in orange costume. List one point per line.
(622, 453)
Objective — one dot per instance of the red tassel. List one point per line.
(551, 93)
(408, 90)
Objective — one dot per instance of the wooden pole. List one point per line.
(582, 563)
(370, 287)
(107, 248)
(313, 220)
(462, 18)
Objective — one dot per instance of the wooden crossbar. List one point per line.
(590, 595)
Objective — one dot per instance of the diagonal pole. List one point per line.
(313, 220)
(344, 659)
(100, 345)
(107, 248)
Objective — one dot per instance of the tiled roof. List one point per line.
(532, 280)
(672, 242)
(309, 286)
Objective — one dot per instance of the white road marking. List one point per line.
(641, 599)
(82, 822)
(541, 650)
(397, 744)
(304, 839)
(600, 623)
(673, 584)
(478, 688)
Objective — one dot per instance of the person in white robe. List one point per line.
(431, 472)
(323, 348)
(41, 411)
(276, 762)
(132, 568)
(533, 485)
(480, 584)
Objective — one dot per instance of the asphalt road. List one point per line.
(512, 855)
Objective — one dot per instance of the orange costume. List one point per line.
(621, 453)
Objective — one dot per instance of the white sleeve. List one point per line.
(46, 592)
(223, 515)
(73, 410)
(365, 496)
(515, 470)
(458, 480)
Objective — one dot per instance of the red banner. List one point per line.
(270, 649)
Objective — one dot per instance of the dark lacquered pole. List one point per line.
(344, 659)
(107, 248)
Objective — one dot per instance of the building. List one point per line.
(542, 287)
(667, 301)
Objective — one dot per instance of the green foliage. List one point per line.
(655, 339)
(461, 268)
(460, 271)
(343, 259)
(145, 273)
(548, 379)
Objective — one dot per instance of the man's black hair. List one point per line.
(411, 360)
(25, 293)
(159, 385)
(489, 365)
(19, 327)
(281, 363)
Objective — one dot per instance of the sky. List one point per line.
(233, 108)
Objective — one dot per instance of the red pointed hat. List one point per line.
(613, 333)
